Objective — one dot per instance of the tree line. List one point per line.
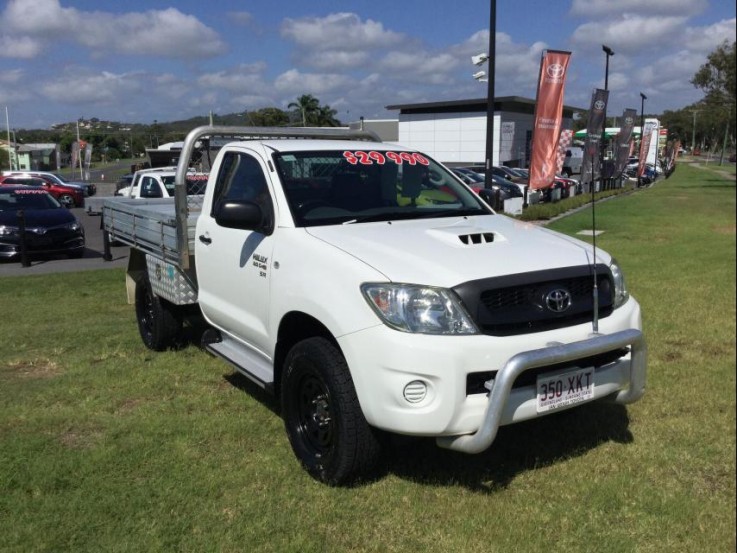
(709, 123)
(112, 140)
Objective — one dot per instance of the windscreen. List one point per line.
(26, 199)
(353, 186)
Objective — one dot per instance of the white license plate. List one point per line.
(564, 389)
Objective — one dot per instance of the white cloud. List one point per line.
(74, 88)
(598, 8)
(706, 39)
(631, 33)
(294, 82)
(39, 17)
(19, 47)
(419, 66)
(165, 33)
(339, 31)
(336, 60)
(245, 78)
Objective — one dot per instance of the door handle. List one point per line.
(205, 239)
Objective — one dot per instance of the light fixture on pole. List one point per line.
(479, 59)
(480, 76)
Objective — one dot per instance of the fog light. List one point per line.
(415, 391)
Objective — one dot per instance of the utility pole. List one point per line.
(693, 131)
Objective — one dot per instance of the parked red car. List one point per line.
(68, 196)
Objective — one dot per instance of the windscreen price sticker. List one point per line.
(555, 391)
(379, 158)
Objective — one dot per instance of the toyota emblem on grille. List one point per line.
(558, 300)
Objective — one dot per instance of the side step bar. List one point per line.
(247, 361)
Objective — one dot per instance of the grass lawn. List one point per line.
(106, 446)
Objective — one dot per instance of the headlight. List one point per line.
(8, 231)
(73, 226)
(418, 309)
(620, 287)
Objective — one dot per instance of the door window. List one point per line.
(241, 178)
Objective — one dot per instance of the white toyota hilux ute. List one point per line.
(371, 290)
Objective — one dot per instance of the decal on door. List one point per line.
(260, 262)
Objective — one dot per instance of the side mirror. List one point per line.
(242, 214)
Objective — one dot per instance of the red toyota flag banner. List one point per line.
(548, 118)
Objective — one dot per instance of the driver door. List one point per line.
(234, 265)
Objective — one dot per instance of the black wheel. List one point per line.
(66, 200)
(159, 322)
(322, 416)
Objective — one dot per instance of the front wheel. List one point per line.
(159, 322)
(323, 419)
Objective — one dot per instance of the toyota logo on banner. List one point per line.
(599, 105)
(555, 71)
(558, 300)
(629, 121)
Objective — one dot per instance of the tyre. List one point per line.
(66, 200)
(159, 322)
(323, 419)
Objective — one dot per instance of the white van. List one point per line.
(573, 161)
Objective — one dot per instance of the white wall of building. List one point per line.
(461, 137)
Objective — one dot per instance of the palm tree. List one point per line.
(326, 117)
(308, 105)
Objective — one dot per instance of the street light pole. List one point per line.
(609, 52)
(488, 182)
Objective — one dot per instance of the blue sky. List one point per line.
(139, 61)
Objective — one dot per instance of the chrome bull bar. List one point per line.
(501, 385)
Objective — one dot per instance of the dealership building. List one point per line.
(454, 132)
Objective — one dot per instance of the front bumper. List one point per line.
(66, 242)
(386, 363)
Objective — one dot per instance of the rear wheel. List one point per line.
(322, 416)
(159, 322)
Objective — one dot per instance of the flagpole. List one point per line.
(7, 126)
(79, 155)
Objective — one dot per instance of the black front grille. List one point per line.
(537, 301)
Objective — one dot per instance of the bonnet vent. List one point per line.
(478, 238)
